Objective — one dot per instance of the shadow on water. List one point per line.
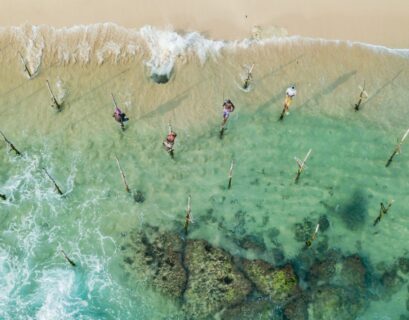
(354, 213)
(25, 82)
(377, 92)
(274, 99)
(166, 107)
(169, 105)
(330, 88)
(100, 85)
(279, 68)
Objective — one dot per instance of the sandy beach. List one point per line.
(382, 22)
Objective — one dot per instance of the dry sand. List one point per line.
(383, 22)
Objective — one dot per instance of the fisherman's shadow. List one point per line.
(377, 92)
(166, 107)
(279, 68)
(315, 99)
(269, 103)
(171, 104)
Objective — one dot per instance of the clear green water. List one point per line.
(346, 178)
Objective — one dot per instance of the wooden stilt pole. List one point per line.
(72, 263)
(397, 148)
(11, 145)
(25, 65)
(116, 107)
(188, 218)
(55, 102)
(313, 237)
(301, 165)
(382, 211)
(123, 176)
(57, 188)
(249, 77)
(230, 174)
(362, 95)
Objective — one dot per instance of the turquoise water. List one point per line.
(345, 179)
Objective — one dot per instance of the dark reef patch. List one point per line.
(320, 283)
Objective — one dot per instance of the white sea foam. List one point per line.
(56, 288)
(8, 279)
(110, 49)
(110, 42)
(166, 46)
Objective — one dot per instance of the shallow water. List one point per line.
(346, 178)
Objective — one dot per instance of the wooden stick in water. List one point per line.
(171, 151)
(116, 106)
(397, 149)
(68, 259)
(55, 102)
(382, 212)
(57, 188)
(25, 65)
(313, 237)
(188, 218)
(10, 144)
(230, 174)
(282, 114)
(301, 165)
(123, 176)
(113, 99)
(249, 77)
(362, 95)
(221, 132)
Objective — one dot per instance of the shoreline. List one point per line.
(379, 23)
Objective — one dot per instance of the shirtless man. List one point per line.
(228, 107)
(169, 142)
(120, 117)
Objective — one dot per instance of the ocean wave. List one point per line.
(104, 42)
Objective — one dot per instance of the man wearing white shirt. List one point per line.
(290, 94)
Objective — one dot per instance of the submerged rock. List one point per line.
(334, 303)
(303, 231)
(139, 197)
(338, 270)
(252, 242)
(158, 259)
(324, 223)
(278, 283)
(403, 264)
(278, 255)
(391, 281)
(250, 310)
(353, 272)
(297, 309)
(214, 281)
(321, 272)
